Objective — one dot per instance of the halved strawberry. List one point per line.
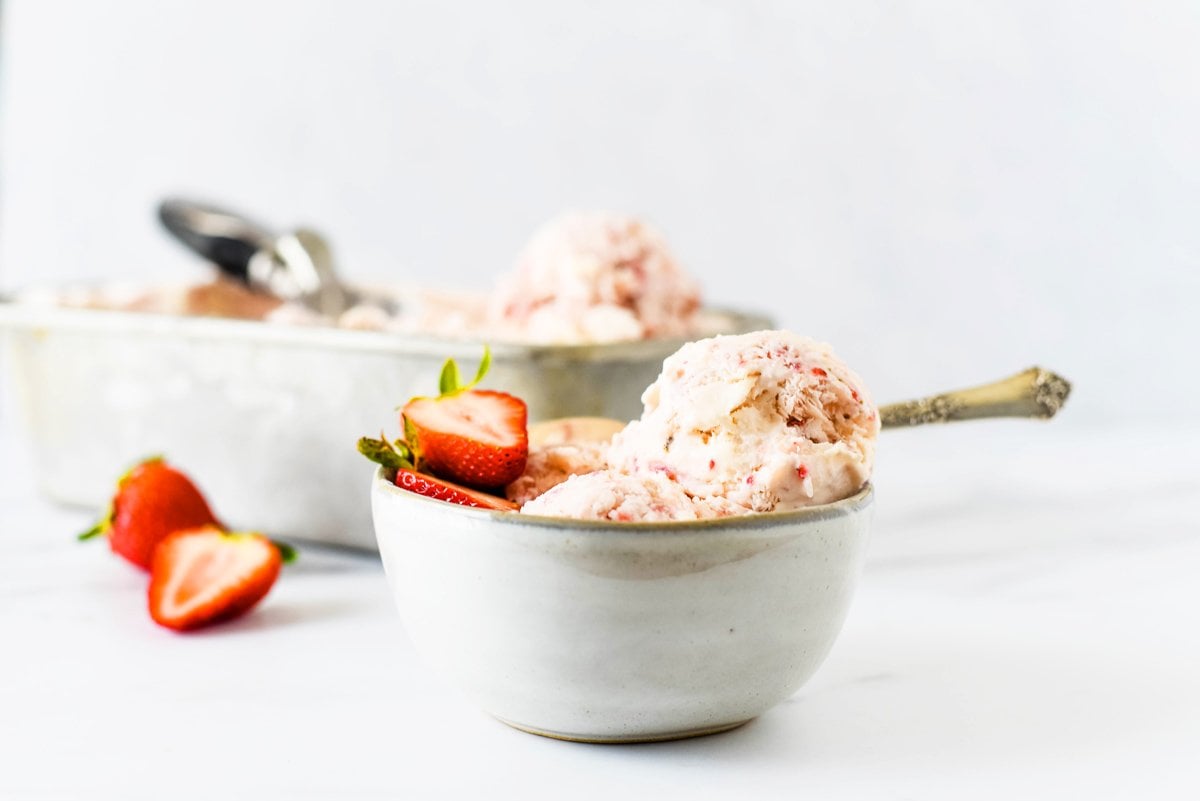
(475, 437)
(152, 501)
(432, 487)
(205, 575)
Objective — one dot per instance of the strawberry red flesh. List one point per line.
(436, 488)
(204, 575)
(475, 437)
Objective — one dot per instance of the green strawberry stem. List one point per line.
(286, 552)
(402, 454)
(484, 364)
(102, 526)
(145, 460)
(410, 435)
(105, 523)
(94, 531)
(391, 457)
(450, 381)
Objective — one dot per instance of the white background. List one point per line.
(946, 191)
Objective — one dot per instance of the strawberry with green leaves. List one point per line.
(152, 501)
(461, 441)
(397, 461)
(199, 573)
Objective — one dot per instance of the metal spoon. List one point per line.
(296, 266)
(1035, 392)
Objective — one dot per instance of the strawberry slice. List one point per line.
(436, 488)
(152, 501)
(476, 437)
(205, 575)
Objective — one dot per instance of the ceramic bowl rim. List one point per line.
(845, 507)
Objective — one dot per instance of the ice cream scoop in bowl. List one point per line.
(621, 632)
(683, 583)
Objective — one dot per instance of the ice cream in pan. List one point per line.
(595, 278)
(177, 369)
(583, 278)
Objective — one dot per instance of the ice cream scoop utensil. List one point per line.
(1035, 392)
(295, 265)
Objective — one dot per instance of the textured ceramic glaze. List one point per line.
(617, 631)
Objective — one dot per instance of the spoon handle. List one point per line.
(224, 237)
(1033, 393)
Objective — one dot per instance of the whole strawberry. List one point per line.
(152, 501)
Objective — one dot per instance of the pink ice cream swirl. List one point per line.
(595, 277)
(767, 421)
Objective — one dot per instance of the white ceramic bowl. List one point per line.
(621, 632)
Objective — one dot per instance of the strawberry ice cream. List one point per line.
(768, 421)
(548, 466)
(220, 298)
(596, 278)
(573, 431)
(610, 495)
(581, 279)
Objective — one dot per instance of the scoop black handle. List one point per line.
(227, 239)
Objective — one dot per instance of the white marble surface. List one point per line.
(1027, 628)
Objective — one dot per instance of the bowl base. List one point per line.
(626, 739)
